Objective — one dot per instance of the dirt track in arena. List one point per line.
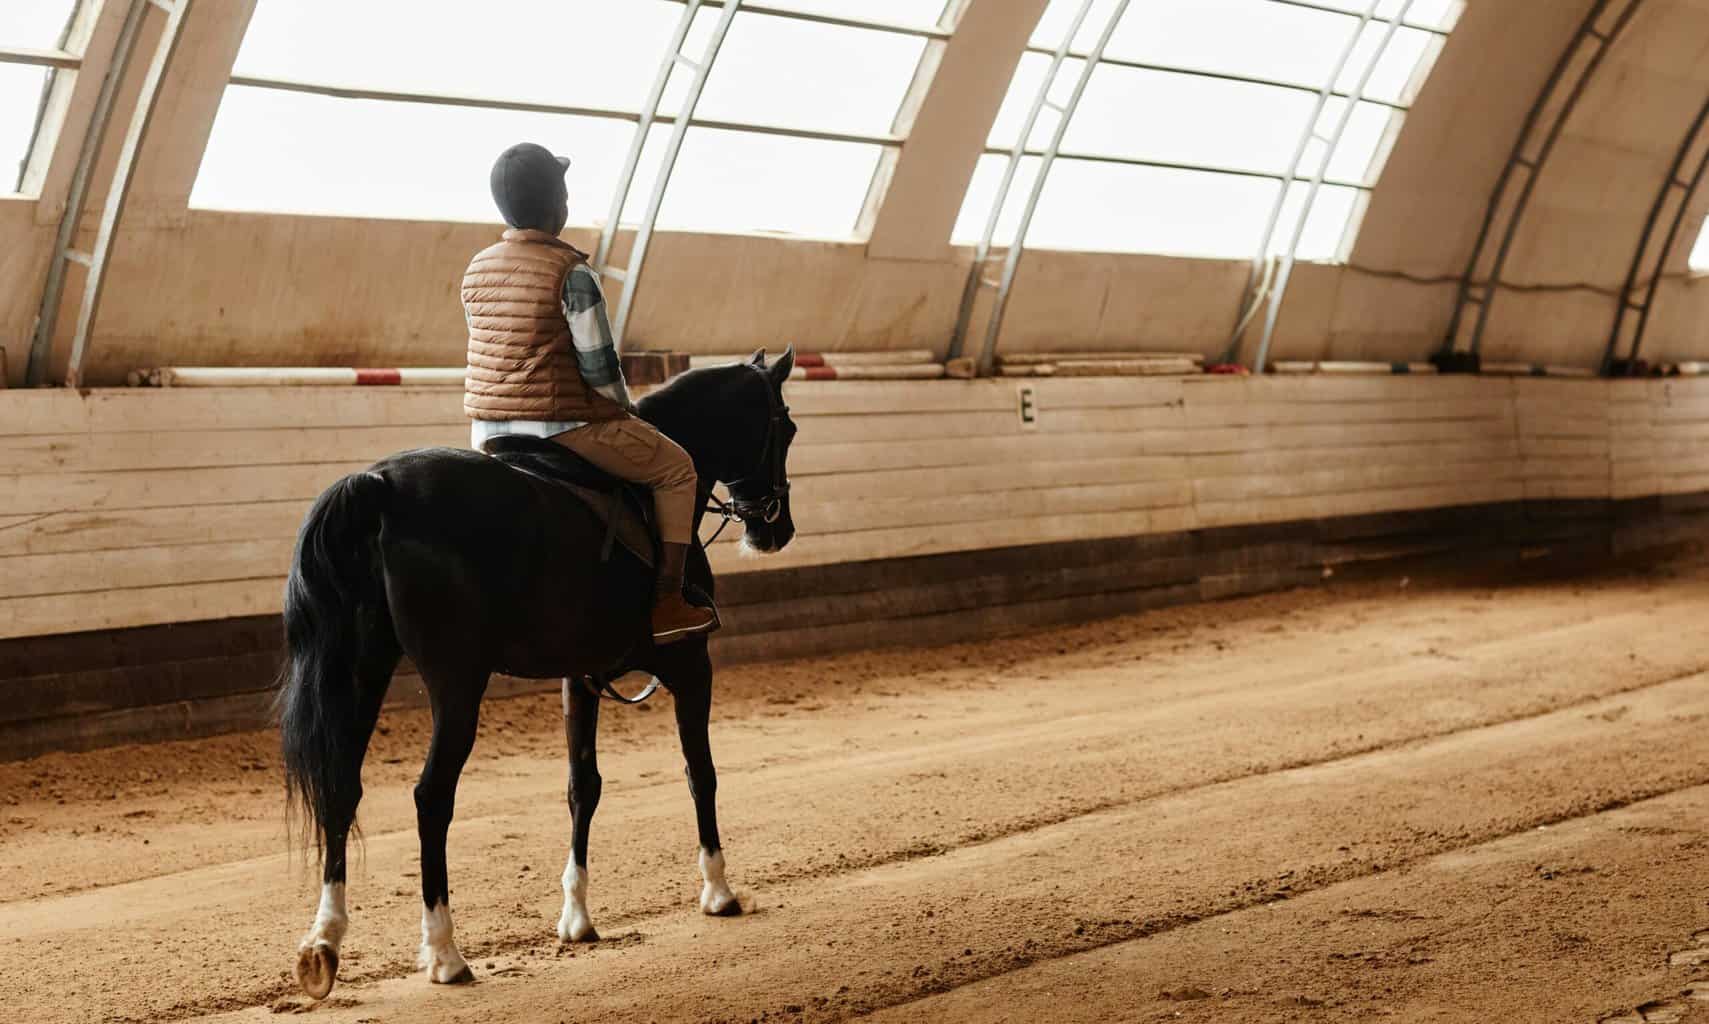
(1450, 802)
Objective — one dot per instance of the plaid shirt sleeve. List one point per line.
(596, 353)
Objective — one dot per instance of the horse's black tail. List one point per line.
(333, 597)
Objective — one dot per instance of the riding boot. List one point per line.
(673, 617)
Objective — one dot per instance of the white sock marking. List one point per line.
(574, 924)
(439, 955)
(715, 894)
(331, 920)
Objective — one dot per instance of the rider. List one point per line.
(542, 362)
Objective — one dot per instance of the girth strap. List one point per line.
(611, 517)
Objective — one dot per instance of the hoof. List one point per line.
(721, 906)
(317, 969)
(462, 977)
(578, 931)
(446, 968)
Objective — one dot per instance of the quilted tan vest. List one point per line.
(522, 362)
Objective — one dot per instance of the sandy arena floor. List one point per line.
(1366, 802)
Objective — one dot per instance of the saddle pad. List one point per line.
(631, 531)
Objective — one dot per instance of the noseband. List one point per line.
(768, 507)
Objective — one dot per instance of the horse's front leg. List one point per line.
(690, 683)
(581, 728)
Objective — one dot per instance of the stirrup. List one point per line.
(683, 633)
(675, 635)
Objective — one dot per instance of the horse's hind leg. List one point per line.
(317, 954)
(581, 727)
(689, 678)
(456, 701)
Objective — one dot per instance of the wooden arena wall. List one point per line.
(161, 513)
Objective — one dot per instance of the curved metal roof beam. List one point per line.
(1656, 256)
(1263, 286)
(97, 258)
(1481, 294)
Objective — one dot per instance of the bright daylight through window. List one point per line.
(1700, 251)
(1187, 128)
(32, 37)
(1179, 145)
(788, 134)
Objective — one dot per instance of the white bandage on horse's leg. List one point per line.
(439, 956)
(715, 895)
(574, 925)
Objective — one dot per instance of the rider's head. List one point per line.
(528, 186)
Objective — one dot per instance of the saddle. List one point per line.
(624, 507)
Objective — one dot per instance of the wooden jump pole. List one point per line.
(839, 359)
(296, 376)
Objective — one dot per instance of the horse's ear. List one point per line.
(758, 358)
(785, 363)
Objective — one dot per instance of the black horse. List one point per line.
(472, 567)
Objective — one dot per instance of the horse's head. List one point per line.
(734, 422)
(759, 479)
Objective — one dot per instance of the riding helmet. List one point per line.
(528, 186)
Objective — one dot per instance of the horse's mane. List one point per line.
(686, 392)
(673, 389)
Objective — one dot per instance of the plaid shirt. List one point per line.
(596, 357)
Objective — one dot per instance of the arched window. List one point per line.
(38, 61)
(1188, 126)
(1699, 260)
(325, 115)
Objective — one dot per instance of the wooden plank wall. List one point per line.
(1659, 438)
(124, 508)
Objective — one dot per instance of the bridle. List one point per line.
(768, 507)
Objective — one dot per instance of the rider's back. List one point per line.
(522, 360)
